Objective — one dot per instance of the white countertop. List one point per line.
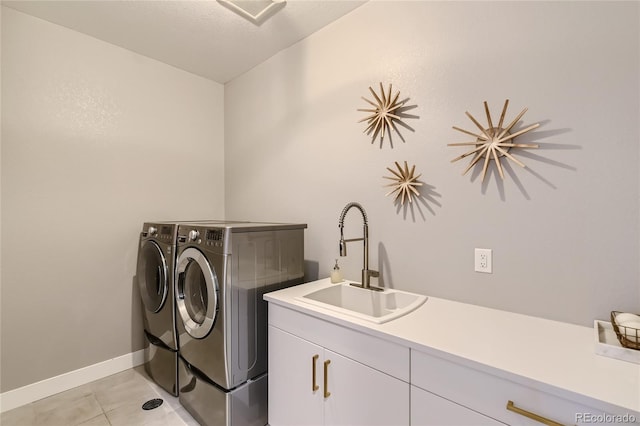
(551, 356)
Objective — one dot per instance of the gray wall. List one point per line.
(564, 231)
(95, 141)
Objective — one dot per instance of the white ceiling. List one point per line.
(200, 36)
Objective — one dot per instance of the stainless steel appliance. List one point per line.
(222, 271)
(155, 273)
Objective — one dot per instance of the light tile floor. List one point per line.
(115, 400)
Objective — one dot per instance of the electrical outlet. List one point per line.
(483, 260)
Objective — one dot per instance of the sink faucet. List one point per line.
(366, 272)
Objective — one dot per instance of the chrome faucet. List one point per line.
(366, 272)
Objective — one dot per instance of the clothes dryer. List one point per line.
(222, 272)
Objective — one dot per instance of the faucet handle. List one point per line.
(366, 279)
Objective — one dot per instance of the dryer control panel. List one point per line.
(214, 235)
(202, 236)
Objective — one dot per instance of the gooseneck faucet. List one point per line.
(366, 272)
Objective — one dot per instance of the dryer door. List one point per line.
(152, 276)
(196, 293)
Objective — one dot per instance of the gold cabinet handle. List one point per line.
(314, 386)
(533, 416)
(327, 394)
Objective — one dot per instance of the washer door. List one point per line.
(196, 293)
(152, 276)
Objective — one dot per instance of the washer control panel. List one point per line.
(160, 232)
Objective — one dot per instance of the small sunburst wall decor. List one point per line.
(385, 114)
(405, 183)
(493, 143)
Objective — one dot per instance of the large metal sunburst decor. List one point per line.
(493, 142)
(405, 183)
(385, 114)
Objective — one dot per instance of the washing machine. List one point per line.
(155, 273)
(222, 272)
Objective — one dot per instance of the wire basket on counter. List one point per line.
(629, 337)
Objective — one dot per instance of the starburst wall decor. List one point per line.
(385, 115)
(493, 143)
(405, 183)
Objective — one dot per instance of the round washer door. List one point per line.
(152, 276)
(196, 293)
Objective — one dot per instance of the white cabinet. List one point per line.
(489, 395)
(360, 395)
(428, 409)
(408, 372)
(310, 384)
(294, 398)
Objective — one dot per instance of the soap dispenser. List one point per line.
(336, 275)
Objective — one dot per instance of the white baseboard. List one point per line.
(44, 388)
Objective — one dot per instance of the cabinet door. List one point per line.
(292, 400)
(428, 409)
(362, 396)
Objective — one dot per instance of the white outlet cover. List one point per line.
(483, 261)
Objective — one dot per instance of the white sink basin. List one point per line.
(374, 306)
